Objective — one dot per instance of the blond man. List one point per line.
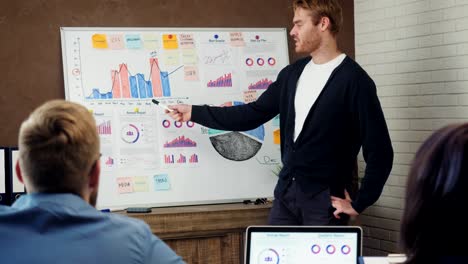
(328, 109)
(56, 222)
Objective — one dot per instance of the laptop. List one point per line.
(303, 244)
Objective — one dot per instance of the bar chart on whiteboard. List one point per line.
(148, 159)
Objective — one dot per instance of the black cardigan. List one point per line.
(346, 115)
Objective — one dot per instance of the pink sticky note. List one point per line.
(237, 40)
(250, 96)
(125, 185)
(186, 41)
(190, 73)
(116, 42)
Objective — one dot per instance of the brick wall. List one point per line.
(417, 53)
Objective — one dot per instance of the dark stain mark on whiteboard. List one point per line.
(235, 146)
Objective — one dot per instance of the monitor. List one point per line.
(303, 244)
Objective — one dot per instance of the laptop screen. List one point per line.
(304, 244)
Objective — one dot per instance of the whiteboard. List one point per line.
(2, 172)
(18, 186)
(147, 158)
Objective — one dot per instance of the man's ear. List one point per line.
(324, 23)
(18, 172)
(94, 175)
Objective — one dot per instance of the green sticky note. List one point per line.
(133, 41)
(161, 182)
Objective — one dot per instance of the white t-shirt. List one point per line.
(310, 84)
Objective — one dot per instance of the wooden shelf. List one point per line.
(206, 233)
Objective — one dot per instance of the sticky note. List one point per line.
(133, 41)
(151, 41)
(189, 56)
(276, 137)
(170, 41)
(250, 96)
(171, 58)
(237, 39)
(213, 131)
(226, 104)
(186, 41)
(191, 73)
(276, 121)
(99, 41)
(140, 184)
(116, 42)
(125, 185)
(161, 182)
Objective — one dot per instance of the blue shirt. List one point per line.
(63, 228)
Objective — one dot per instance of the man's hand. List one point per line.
(181, 113)
(343, 206)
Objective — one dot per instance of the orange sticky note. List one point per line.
(170, 41)
(276, 137)
(100, 41)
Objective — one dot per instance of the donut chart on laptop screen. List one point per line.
(294, 245)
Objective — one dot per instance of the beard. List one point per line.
(311, 46)
(308, 43)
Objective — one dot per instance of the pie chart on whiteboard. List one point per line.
(237, 146)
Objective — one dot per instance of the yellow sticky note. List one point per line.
(170, 41)
(100, 41)
(136, 110)
(189, 56)
(150, 41)
(140, 184)
(276, 137)
(171, 58)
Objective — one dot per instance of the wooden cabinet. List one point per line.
(208, 234)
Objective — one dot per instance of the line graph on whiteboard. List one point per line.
(121, 75)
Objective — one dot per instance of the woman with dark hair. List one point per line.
(437, 192)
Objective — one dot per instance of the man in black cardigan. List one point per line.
(328, 108)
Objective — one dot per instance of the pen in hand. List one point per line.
(156, 102)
